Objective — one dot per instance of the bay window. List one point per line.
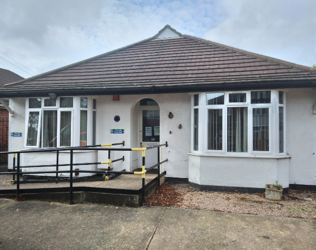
(241, 123)
(51, 123)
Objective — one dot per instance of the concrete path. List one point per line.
(43, 225)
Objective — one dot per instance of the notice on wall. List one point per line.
(117, 131)
(16, 134)
(156, 130)
(148, 131)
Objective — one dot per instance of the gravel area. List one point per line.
(295, 204)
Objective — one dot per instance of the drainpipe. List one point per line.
(7, 107)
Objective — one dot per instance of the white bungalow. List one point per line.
(232, 119)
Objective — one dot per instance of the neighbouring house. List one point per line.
(232, 118)
(6, 76)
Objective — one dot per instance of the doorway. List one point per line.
(149, 127)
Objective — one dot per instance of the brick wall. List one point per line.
(4, 124)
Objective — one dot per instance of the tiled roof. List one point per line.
(169, 65)
(7, 76)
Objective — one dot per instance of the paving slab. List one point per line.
(44, 225)
(198, 229)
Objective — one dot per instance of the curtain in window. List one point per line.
(83, 128)
(237, 129)
(196, 129)
(281, 130)
(215, 128)
(50, 129)
(32, 129)
(65, 128)
(261, 129)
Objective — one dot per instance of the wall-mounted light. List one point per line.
(170, 115)
(180, 126)
(52, 96)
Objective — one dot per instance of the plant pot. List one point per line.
(272, 193)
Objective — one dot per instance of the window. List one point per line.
(94, 122)
(63, 122)
(196, 122)
(49, 122)
(281, 122)
(83, 121)
(240, 122)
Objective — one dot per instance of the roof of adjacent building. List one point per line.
(7, 76)
(168, 62)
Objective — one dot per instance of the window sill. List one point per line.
(256, 156)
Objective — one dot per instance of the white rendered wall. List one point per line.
(126, 108)
(238, 171)
(16, 124)
(179, 139)
(301, 135)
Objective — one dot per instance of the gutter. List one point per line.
(164, 89)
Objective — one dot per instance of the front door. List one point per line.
(150, 132)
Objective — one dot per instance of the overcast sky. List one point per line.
(46, 34)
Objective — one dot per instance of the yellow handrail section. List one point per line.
(143, 165)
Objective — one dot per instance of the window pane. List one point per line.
(151, 129)
(215, 127)
(148, 102)
(261, 129)
(66, 102)
(50, 129)
(49, 103)
(237, 97)
(281, 97)
(94, 104)
(215, 98)
(260, 96)
(32, 130)
(83, 102)
(196, 100)
(94, 127)
(83, 128)
(65, 128)
(237, 129)
(196, 129)
(35, 103)
(281, 130)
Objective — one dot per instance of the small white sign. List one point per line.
(148, 131)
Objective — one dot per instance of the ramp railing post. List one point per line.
(71, 173)
(18, 177)
(57, 165)
(143, 177)
(13, 169)
(109, 159)
(158, 153)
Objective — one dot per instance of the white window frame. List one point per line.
(41, 110)
(39, 126)
(273, 107)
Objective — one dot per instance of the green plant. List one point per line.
(276, 186)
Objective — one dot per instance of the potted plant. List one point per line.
(274, 191)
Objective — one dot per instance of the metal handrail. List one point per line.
(16, 169)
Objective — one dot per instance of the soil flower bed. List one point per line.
(295, 204)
